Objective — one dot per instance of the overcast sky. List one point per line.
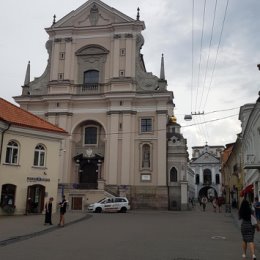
(234, 82)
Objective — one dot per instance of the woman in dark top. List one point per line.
(63, 207)
(48, 212)
(247, 229)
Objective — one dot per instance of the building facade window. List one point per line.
(121, 73)
(197, 179)
(8, 195)
(173, 175)
(217, 179)
(122, 52)
(91, 77)
(91, 135)
(207, 177)
(60, 76)
(62, 55)
(146, 156)
(146, 125)
(12, 152)
(39, 156)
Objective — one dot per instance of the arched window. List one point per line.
(197, 179)
(91, 77)
(146, 156)
(173, 175)
(207, 178)
(12, 152)
(39, 155)
(90, 135)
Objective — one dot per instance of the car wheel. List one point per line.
(98, 210)
(123, 210)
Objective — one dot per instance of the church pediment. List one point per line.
(93, 13)
(206, 158)
(92, 50)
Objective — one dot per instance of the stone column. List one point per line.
(184, 195)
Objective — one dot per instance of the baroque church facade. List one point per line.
(118, 115)
(206, 164)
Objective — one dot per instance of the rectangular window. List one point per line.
(41, 162)
(36, 158)
(60, 76)
(146, 125)
(11, 155)
(121, 73)
(62, 55)
(8, 158)
(90, 135)
(122, 52)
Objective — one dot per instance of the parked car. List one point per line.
(116, 204)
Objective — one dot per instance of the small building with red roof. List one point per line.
(30, 155)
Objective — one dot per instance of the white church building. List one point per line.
(96, 88)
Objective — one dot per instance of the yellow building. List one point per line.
(30, 151)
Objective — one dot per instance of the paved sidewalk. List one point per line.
(22, 226)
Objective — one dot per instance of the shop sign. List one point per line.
(36, 179)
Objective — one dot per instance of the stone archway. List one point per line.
(209, 192)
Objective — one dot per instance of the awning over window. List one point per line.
(248, 189)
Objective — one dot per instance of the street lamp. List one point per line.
(189, 117)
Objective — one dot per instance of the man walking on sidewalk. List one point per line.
(204, 201)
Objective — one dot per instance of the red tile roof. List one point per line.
(18, 116)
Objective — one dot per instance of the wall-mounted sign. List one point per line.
(145, 177)
(36, 179)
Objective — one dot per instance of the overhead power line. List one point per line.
(201, 43)
(209, 49)
(216, 57)
(192, 53)
(161, 129)
(209, 121)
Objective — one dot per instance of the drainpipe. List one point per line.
(2, 139)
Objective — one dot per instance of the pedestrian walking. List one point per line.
(204, 201)
(63, 208)
(219, 203)
(214, 204)
(247, 229)
(48, 212)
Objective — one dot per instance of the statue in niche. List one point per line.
(94, 15)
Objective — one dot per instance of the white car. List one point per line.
(116, 204)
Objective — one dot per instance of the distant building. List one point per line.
(206, 165)
(178, 182)
(191, 183)
(249, 116)
(30, 151)
(96, 87)
(232, 172)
